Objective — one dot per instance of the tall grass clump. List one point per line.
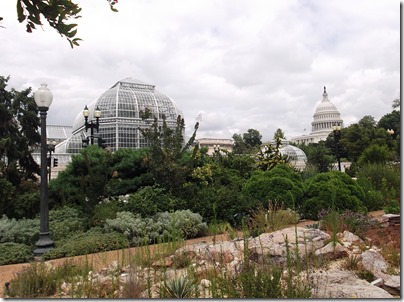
(273, 218)
(40, 280)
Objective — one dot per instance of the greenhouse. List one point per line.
(120, 119)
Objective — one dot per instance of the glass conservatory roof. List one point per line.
(294, 154)
(126, 99)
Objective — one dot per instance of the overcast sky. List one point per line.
(241, 63)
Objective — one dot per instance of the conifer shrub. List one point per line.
(11, 252)
(281, 183)
(334, 188)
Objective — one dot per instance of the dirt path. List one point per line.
(101, 260)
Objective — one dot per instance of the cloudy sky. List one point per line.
(240, 63)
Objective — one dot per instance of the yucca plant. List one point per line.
(180, 287)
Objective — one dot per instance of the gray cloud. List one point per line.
(242, 64)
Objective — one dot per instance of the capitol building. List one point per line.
(325, 117)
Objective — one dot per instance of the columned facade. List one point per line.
(324, 118)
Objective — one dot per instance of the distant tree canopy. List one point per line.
(58, 13)
(279, 134)
(247, 142)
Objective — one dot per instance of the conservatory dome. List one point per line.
(295, 155)
(121, 107)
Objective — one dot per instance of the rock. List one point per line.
(374, 262)
(392, 284)
(272, 247)
(331, 253)
(205, 283)
(378, 282)
(343, 284)
(350, 237)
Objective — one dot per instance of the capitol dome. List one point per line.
(120, 120)
(325, 116)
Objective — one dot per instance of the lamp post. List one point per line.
(51, 148)
(92, 125)
(216, 149)
(337, 136)
(43, 98)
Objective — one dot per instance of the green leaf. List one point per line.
(20, 12)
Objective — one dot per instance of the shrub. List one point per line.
(381, 177)
(87, 243)
(393, 207)
(25, 231)
(189, 224)
(151, 200)
(329, 188)
(107, 209)
(11, 252)
(162, 226)
(65, 222)
(281, 183)
(136, 229)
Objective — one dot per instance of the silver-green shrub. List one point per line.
(24, 231)
(161, 227)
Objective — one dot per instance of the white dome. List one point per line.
(326, 115)
(121, 115)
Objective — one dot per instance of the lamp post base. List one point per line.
(44, 244)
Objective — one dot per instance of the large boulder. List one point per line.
(272, 247)
(343, 284)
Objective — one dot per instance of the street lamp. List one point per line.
(216, 149)
(337, 136)
(43, 98)
(390, 131)
(51, 148)
(92, 125)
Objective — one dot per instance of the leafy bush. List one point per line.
(11, 252)
(331, 188)
(25, 231)
(107, 209)
(374, 199)
(189, 224)
(375, 154)
(393, 207)
(151, 200)
(136, 229)
(65, 222)
(281, 183)
(87, 243)
(381, 177)
(163, 226)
